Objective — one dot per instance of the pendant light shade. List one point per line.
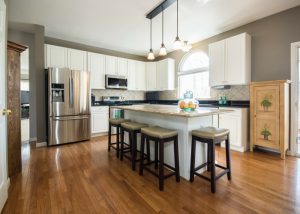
(177, 43)
(150, 54)
(163, 50)
(186, 47)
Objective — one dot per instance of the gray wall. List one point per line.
(32, 36)
(271, 40)
(68, 44)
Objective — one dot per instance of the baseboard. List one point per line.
(8, 183)
(40, 144)
(99, 134)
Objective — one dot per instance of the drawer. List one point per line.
(100, 109)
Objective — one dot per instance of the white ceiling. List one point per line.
(121, 24)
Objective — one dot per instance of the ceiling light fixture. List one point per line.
(186, 47)
(177, 43)
(151, 54)
(163, 50)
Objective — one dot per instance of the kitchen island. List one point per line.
(173, 118)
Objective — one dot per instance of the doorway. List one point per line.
(295, 99)
(25, 105)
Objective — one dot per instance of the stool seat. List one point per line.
(159, 132)
(210, 132)
(117, 121)
(133, 125)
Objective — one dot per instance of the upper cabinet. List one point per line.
(96, 65)
(111, 65)
(122, 67)
(77, 59)
(61, 57)
(151, 76)
(230, 61)
(136, 75)
(165, 75)
(56, 56)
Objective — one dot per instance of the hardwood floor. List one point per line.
(85, 178)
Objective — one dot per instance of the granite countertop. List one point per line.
(172, 110)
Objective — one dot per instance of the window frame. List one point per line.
(191, 71)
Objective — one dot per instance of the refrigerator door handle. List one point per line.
(71, 118)
(71, 98)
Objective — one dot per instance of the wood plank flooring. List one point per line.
(85, 178)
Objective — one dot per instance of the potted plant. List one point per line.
(266, 103)
(265, 132)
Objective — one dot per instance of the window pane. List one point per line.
(201, 85)
(186, 83)
(194, 61)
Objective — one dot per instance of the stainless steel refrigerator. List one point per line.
(68, 106)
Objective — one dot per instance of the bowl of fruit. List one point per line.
(188, 103)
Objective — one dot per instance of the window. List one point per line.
(194, 75)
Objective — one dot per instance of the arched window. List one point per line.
(193, 75)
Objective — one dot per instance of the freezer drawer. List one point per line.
(69, 129)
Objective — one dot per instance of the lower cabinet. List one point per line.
(100, 117)
(238, 124)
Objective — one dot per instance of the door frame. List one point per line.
(294, 98)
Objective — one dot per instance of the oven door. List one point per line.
(117, 82)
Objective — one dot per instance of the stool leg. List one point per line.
(122, 144)
(133, 157)
(228, 165)
(118, 140)
(156, 155)
(161, 165)
(192, 168)
(109, 137)
(142, 154)
(176, 159)
(148, 150)
(208, 157)
(212, 168)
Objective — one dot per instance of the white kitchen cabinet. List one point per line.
(111, 65)
(238, 124)
(122, 68)
(165, 75)
(230, 61)
(96, 66)
(99, 119)
(56, 56)
(151, 76)
(131, 81)
(77, 59)
(140, 76)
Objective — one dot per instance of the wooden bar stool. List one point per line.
(210, 136)
(160, 136)
(133, 128)
(115, 122)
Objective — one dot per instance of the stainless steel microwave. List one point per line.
(115, 82)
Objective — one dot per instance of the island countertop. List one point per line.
(173, 110)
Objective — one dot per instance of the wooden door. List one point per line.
(13, 103)
(266, 116)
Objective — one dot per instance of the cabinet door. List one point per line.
(141, 76)
(151, 76)
(100, 119)
(96, 66)
(217, 63)
(266, 116)
(236, 68)
(77, 59)
(111, 65)
(233, 123)
(56, 56)
(132, 66)
(122, 67)
(161, 76)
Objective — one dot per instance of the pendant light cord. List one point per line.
(177, 18)
(151, 33)
(162, 26)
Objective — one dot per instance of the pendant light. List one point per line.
(163, 50)
(151, 54)
(186, 47)
(177, 43)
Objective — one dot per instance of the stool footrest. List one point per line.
(201, 166)
(157, 175)
(216, 177)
